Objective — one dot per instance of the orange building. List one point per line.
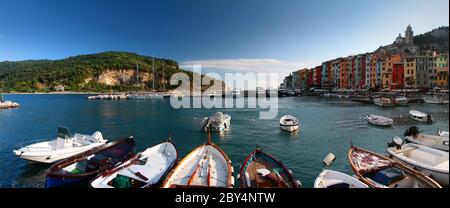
(373, 71)
(386, 71)
(343, 74)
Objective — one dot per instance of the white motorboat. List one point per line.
(145, 169)
(431, 162)
(236, 93)
(218, 122)
(5, 104)
(379, 120)
(334, 179)
(384, 101)
(63, 147)
(437, 97)
(434, 141)
(420, 116)
(289, 123)
(206, 166)
(442, 133)
(401, 100)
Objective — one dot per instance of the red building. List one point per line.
(362, 68)
(398, 76)
(318, 76)
(310, 78)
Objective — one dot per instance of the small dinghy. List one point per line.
(79, 170)
(378, 171)
(420, 116)
(401, 101)
(437, 142)
(334, 179)
(218, 122)
(442, 133)
(432, 162)
(206, 166)
(146, 169)
(261, 170)
(289, 123)
(63, 147)
(379, 120)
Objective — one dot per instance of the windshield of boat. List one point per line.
(63, 133)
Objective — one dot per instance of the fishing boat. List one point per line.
(64, 146)
(378, 171)
(290, 92)
(442, 133)
(79, 170)
(335, 179)
(432, 162)
(261, 170)
(282, 92)
(289, 123)
(260, 92)
(420, 116)
(218, 122)
(236, 93)
(401, 100)
(206, 166)
(384, 101)
(146, 169)
(413, 135)
(379, 120)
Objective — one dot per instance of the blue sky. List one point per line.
(256, 35)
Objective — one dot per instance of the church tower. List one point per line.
(409, 35)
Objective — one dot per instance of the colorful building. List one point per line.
(398, 76)
(425, 70)
(336, 65)
(409, 65)
(343, 73)
(441, 70)
(318, 76)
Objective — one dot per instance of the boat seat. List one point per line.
(443, 165)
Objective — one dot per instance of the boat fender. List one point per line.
(238, 176)
(232, 170)
(232, 182)
(299, 183)
(290, 172)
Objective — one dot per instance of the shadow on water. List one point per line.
(31, 176)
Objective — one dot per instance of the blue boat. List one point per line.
(79, 170)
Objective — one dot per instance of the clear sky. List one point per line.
(235, 35)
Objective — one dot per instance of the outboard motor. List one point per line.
(396, 142)
(412, 131)
(429, 119)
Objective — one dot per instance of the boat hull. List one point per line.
(436, 142)
(331, 179)
(289, 128)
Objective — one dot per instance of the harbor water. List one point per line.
(327, 125)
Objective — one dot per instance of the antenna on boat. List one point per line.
(209, 135)
(351, 143)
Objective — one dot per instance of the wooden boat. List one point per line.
(261, 170)
(437, 142)
(206, 166)
(289, 123)
(379, 120)
(432, 162)
(334, 179)
(64, 146)
(79, 170)
(384, 101)
(378, 171)
(8, 104)
(420, 116)
(146, 169)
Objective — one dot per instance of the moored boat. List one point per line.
(79, 170)
(261, 170)
(206, 166)
(5, 104)
(64, 146)
(442, 133)
(378, 171)
(379, 120)
(420, 116)
(289, 123)
(401, 100)
(432, 162)
(384, 101)
(218, 122)
(434, 141)
(146, 169)
(335, 179)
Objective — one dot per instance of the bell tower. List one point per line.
(409, 35)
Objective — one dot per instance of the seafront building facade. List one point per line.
(400, 65)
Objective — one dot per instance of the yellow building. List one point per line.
(410, 72)
(373, 71)
(441, 70)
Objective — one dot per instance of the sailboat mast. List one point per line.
(164, 79)
(153, 66)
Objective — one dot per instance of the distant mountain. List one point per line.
(117, 71)
(437, 39)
